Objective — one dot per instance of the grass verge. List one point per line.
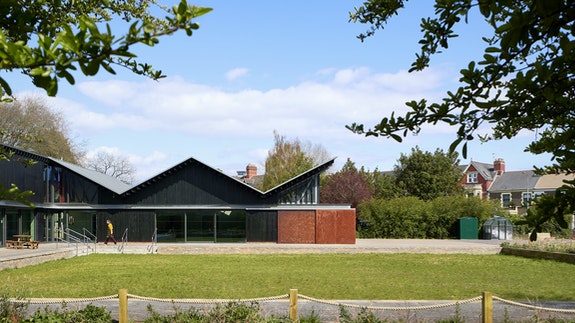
(325, 276)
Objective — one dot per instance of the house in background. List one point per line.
(478, 177)
(189, 202)
(514, 189)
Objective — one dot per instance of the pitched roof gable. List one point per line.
(484, 169)
(186, 163)
(112, 183)
(301, 177)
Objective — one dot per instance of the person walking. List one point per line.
(110, 233)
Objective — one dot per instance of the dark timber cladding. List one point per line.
(190, 202)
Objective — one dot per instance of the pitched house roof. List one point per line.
(515, 181)
(485, 170)
(552, 181)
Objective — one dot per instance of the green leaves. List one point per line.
(525, 81)
(70, 37)
(14, 194)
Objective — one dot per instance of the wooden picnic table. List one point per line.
(21, 241)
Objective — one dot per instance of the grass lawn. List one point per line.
(325, 276)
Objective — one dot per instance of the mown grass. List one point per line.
(325, 276)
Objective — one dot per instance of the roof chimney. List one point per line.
(251, 170)
(499, 166)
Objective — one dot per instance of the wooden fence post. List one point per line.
(487, 307)
(123, 310)
(293, 314)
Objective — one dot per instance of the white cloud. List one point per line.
(159, 124)
(236, 73)
(353, 95)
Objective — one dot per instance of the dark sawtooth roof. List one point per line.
(300, 178)
(113, 184)
(117, 186)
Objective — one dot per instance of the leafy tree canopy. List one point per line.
(428, 175)
(525, 80)
(346, 186)
(50, 39)
(287, 159)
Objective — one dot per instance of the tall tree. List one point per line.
(30, 124)
(113, 165)
(47, 40)
(524, 82)
(288, 159)
(428, 175)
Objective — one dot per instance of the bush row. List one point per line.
(231, 312)
(412, 218)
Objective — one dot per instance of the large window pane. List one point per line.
(201, 225)
(170, 227)
(231, 226)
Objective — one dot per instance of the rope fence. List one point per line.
(486, 300)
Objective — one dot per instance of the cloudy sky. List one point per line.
(258, 66)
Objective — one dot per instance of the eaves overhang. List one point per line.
(59, 207)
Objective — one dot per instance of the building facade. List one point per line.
(190, 202)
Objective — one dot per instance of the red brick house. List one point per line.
(478, 177)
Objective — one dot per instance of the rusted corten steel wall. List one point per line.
(335, 226)
(296, 226)
(317, 226)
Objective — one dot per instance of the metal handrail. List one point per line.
(124, 241)
(154, 243)
(91, 236)
(88, 233)
(77, 237)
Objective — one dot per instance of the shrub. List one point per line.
(11, 312)
(396, 218)
(89, 314)
(410, 217)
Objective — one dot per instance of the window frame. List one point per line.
(472, 177)
(503, 200)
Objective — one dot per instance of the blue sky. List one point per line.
(258, 66)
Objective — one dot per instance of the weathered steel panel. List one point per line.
(335, 226)
(296, 226)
